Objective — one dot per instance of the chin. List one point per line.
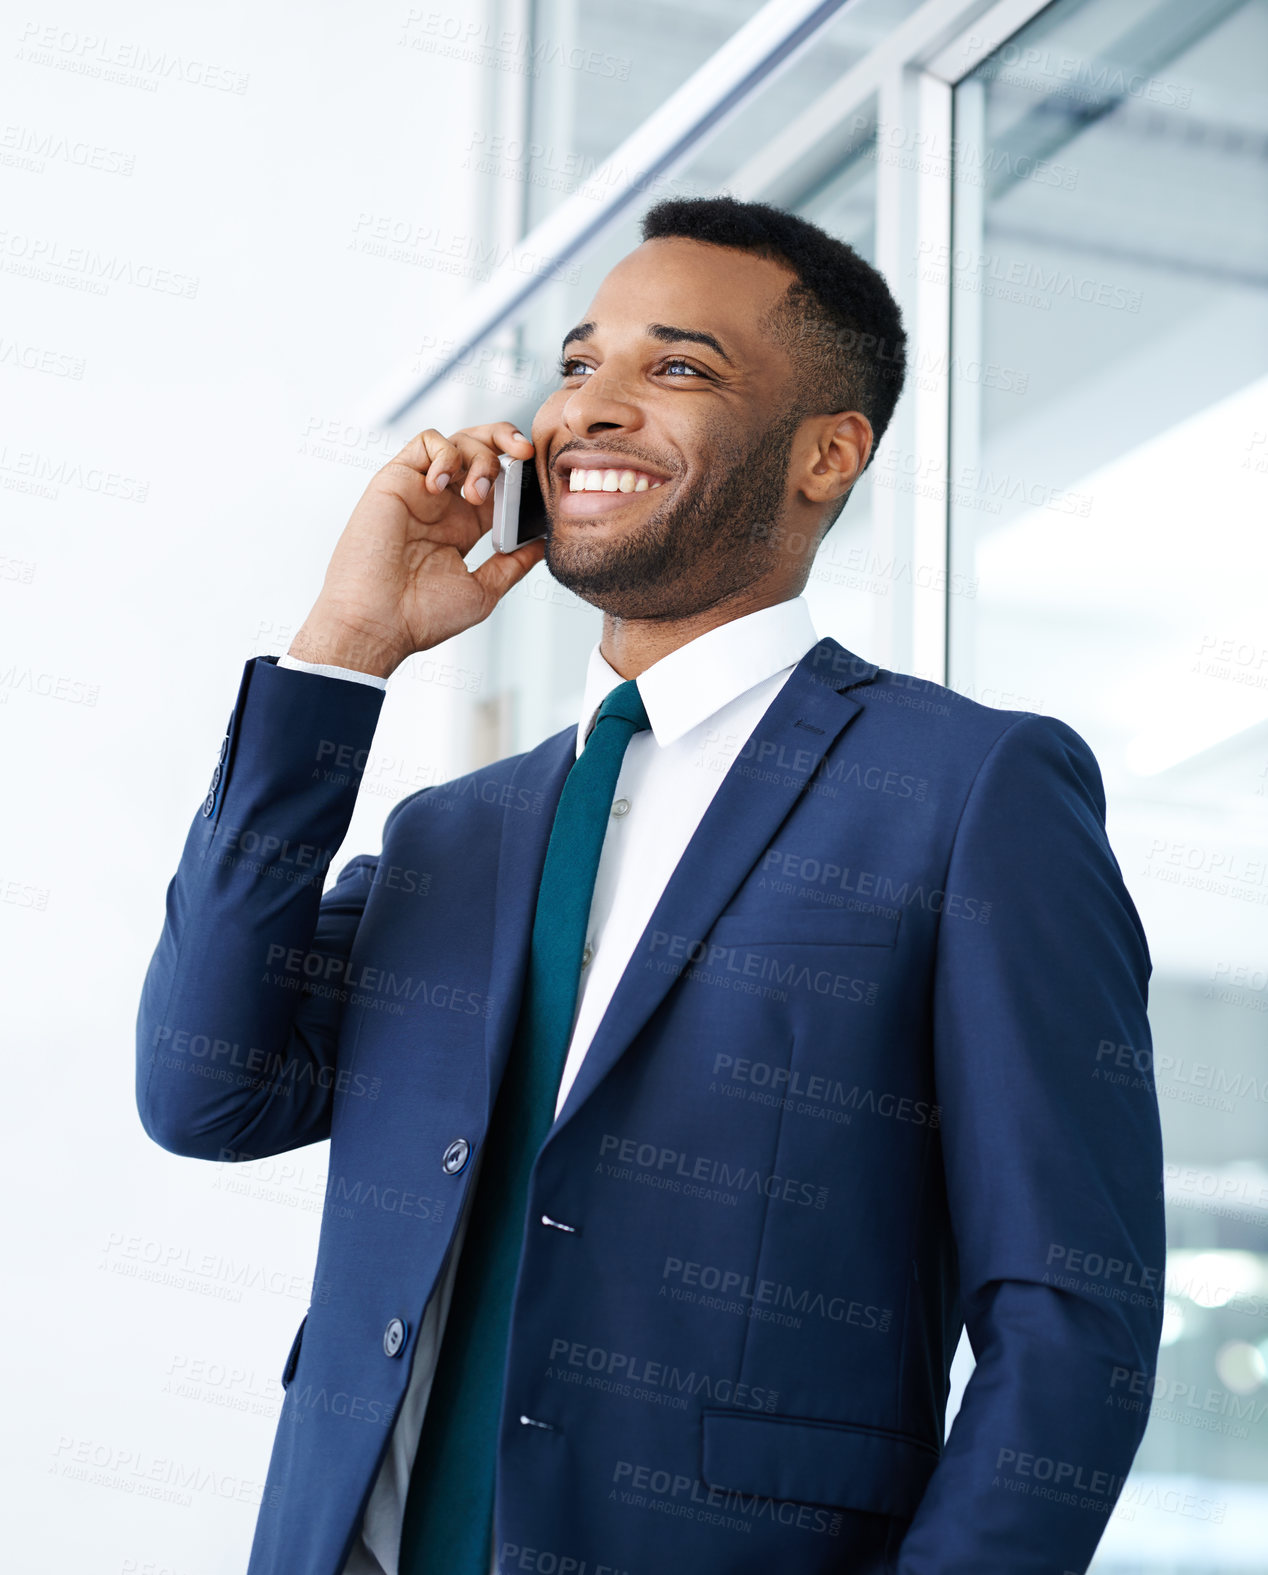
(599, 577)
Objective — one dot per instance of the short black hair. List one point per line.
(840, 324)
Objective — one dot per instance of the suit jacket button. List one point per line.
(224, 746)
(209, 803)
(455, 1156)
(215, 778)
(394, 1338)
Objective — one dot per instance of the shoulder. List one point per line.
(969, 750)
(970, 730)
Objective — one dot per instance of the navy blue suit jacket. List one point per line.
(847, 1099)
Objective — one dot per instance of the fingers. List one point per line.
(481, 448)
(468, 459)
(501, 570)
(506, 437)
(436, 458)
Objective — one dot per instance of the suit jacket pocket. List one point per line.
(775, 926)
(840, 1464)
(292, 1356)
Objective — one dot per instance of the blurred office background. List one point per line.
(236, 244)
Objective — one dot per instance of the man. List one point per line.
(700, 1073)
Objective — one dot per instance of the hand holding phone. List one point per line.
(519, 511)
(398, 580)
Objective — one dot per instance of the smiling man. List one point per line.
(693, 1079)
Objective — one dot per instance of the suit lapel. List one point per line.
(521, 858)
(759, 790)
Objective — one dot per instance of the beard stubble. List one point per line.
(700, 550)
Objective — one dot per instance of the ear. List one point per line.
(840, 448)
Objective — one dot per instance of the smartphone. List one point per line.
(519, 511)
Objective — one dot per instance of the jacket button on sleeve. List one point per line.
(455, 1156)
(394, 1338)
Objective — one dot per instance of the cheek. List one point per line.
(548, 420)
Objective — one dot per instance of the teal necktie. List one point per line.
(449, 1508)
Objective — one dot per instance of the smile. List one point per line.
(611, 481)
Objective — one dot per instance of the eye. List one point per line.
(677, 367)
(569, 364)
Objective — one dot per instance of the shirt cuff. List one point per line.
(330, 671)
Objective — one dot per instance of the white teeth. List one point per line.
(609, 481)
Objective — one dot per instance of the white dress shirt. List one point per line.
(703, 701)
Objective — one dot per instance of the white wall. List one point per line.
(243, 316)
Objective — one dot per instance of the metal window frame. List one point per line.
(910, 76)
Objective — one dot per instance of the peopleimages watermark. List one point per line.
(1078, 1486)
(766, 1300)
(97, 55)
(1061, 1473)
(501, 48)
(144, 1476)
(226, 1061)
(815, 1094)
(637, 1378)
(45, 258)
(53, 470)
(1239, 984)
(701, 1175)
(564, 169)
(752, 969)
(23, 147)
(929, 152)
(1240, 661)
(515, 1559)
(219, 1384)
(1190, 1082)
(1021, 279)
(830, 877)
(1103, 1274)
(1222, 872)
(641, 1486)
(1060, 73)
(368, 985)
(35, 358)
(47, 686)
(179, 1266)
(470, 255)
(1170, 1400)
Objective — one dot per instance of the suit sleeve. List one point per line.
(239, 1016)
(1053, 1163)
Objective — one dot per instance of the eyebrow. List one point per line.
(663, 332)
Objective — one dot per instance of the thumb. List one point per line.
(502, 570)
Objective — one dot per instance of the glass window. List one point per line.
(600, 71)
(1109, 474)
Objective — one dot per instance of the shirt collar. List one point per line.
(689, 685)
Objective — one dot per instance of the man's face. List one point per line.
(664, 453)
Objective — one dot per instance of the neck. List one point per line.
(631, 645)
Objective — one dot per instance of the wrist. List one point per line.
(335, 645)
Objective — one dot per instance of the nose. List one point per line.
(602, 402)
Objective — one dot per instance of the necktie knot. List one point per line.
(626, 703)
